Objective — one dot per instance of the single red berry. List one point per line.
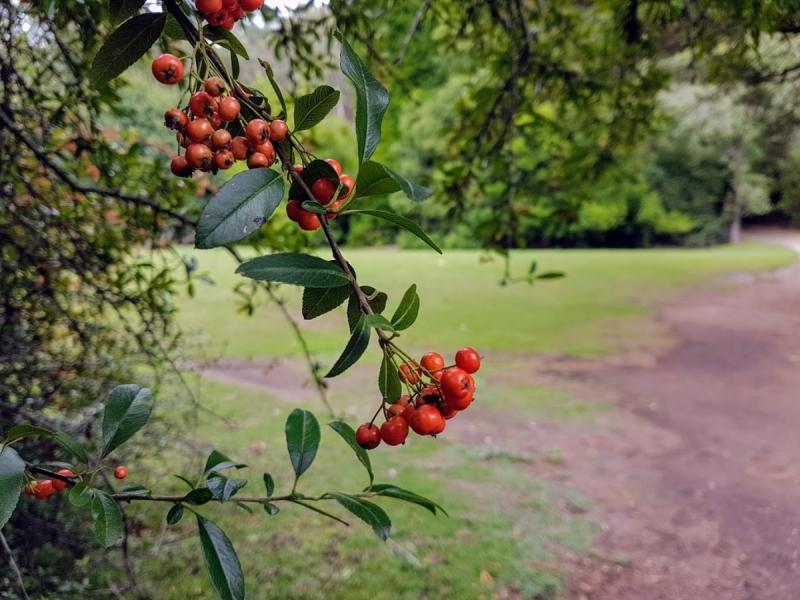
(447, 412)
(202, 104)
(198, 156)
(395, 431)
(323, 190)
(335, 206)
(278, 130)
(368, 436)
(432, 361)
(439, 428)
(59, 485)
(404, 400)
(121, 472)
(30, 488)
(240, 146)
(407, 375)
(298, 168)
(223, 160)
(266, 148)
(43, 489)
(229, 109)
(199, 130)
(396, 409)
(293, 210)
(308, 220)
(220, 139)
(425, 419)
(458, 388)
(228, 22)
(206, 7)
(469, 360)
(229, 5)
(250, 5)
(214, 86)
(257, 131)
(215, 119)
(176, 119)
(183, 139)
(237, 12)
(180, 167)
(258, 161)
(218, 17)
(336, 166)
(167, 69)
(350, 183)
(408, 412)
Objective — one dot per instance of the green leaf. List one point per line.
(271, 509)
(12, 481)
(550, 275)
(314, 207)
(186, 481)
(198, 497)
(377, 301)
(413, 191)
(273, 83)
(349, 435)
(220, 34)
(532, 268)
(369, 512)
(81, 494)
(223, 487)
(240, 207)
(20, 432)
(316, 169)
(378, 322)
(125, 46)
(400, 221)
(173, 29)
(135, 490)
(126, 413)
(73, 446)
(392, 491)
(221, 561)
(318, 301)
(107, 519)
(372, 99)
(407, 310)
(302, 439)
(388, 381)
(356, 345)
(269, 483)
(120, 10)
(374, 180)
(295, 269)
(311, 109)
(243, 506)
(175, 514)
(217, 461)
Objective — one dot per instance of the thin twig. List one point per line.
(14, 565)
(414, 26)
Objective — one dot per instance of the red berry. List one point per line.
(395, 431)
(180, 167)
(240, 146)
(229, 108)
(223, 160)
(59, 485)
(293, 210)
(183, 139)
(258, 161)
(220, 139)
(237, 12)
(214, 86)
(202, 104)
(278, 130)
(30, 488)
(228, 22)
(468, 359)
(408, 412)
(175, 118)
(407, 375)
(335, 206)
(350, 183)
(266, 148)
(396, 409)
(432, 361)
(368, 436)
(308, 220)
(298, 168)
(458, 388)
(198, 156)
(167, 69)
(323, 190)
(426, 419)
(257, 131)
(199, 130)
(121, 472)
(447, 412)
(218, 17)
(43, 489)
(250, 5)
(336, 166)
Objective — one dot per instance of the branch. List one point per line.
(414, 26)
(14, 565)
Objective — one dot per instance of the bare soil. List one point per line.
(695, 474)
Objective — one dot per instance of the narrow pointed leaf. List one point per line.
(407, 310)
(20, 432)
(222, 563)
(413, 191)
(302, 439)
(369, 512)
(220, 34)
(318, 301)
(125, 46)
(198, 497)
(107, 519)
(372, 99)
(271, 509)
(349, 435)
(175, 514)
(392, 491)
(12, 481)
(80, 494)
(275, 87)
(120, 10)
(377, 301)
(400, 221)
(373, 180)
(295, 269)
(311, 109)
(126, 413)
(73, 446)
(240, 207)
(550, 275)
(356, 345)
(223, 488)
(269, 484)
(135, 490)
(378, 322)
(217, 461)
(388, 381)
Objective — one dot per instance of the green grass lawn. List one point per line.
(506, 529)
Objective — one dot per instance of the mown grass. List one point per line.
(506, 529)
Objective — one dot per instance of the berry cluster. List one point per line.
(449, 390)
(324, 191)
(45, 488)
(225, 13)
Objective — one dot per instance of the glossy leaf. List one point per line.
(378, 322)
(12, 481)
(220, 34)
(73, 446)
(388, 381)
(271, 509)
(275, 87)
(318, 301)
(392, 491)
(372, 99)
(125, 46)
(316, 169)
(175, 514)
(269, 484)
(356, 345)
(413, 191)
(81, 494)
(377, 301)
(400, 221)
(173, 30)
(107, 519)
(198, 497)
(120, 10)
(20, 432)
(223, 488)
(221, 561)
(302, 439)
(348, 434)
(369, 512)
(240, 207)
(135, 490)
(126, 413)
(373, 180)
(217, 461)
(295, 269)
(408, 309)
(314, 207)
(311, 109)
